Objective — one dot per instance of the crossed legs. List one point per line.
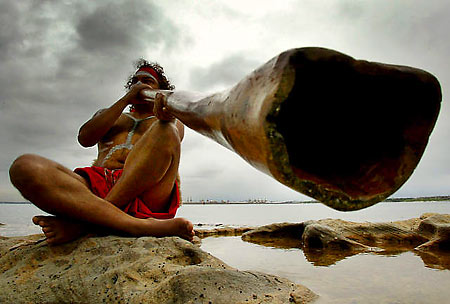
(152, 165)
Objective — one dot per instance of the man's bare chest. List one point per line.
(127, 127)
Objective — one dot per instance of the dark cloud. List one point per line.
(225, 73)
(10, 34)
(123, 26)
(103, 30)
(350, 10)
(114, 34)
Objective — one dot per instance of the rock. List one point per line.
(280, 235)
(437, 228)
(222, 231)
(383, 235)
(131, 270)
(321, 245)
(327, 241)
(319, 236)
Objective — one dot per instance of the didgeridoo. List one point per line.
(346, 132)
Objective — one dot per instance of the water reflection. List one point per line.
(435, 259)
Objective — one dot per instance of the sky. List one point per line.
(61, 61)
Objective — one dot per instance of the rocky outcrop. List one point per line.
(220, 230)
(327, 241)
(116, 269)
(437, 229)
(280, 235)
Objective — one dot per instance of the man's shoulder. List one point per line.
(104, 109)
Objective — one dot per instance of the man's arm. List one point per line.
(94, 129)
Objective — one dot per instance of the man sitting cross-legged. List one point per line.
(132, 187)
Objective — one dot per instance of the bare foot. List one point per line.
(59, 230)
(172, 227)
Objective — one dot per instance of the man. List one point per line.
(132, 186)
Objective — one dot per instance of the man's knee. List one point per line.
(170, 134)
(24, 169)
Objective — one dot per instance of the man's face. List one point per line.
(145, 79)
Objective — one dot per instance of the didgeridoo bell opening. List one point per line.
(346, 132)
(354, 130)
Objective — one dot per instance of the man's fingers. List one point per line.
(160, 109)
(158, 106)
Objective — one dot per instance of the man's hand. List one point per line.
(160, 110)
(134, 95)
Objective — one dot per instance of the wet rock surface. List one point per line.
(203, 231)
(328, 241)
(116, 269)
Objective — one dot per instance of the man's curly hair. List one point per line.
(164, 82)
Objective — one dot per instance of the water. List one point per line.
(363, 278)
(257, 215)
(17, 219)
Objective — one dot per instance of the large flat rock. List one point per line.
(116, 269)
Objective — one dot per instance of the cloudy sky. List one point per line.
(60, 61)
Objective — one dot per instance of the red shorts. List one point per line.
(101, 180)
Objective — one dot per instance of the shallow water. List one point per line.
(17, 219)
(364, 278)
(257, 215)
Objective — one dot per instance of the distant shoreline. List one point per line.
(441, 198)
(420, 199)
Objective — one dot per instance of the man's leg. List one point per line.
(151, 168)
(57, 190)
